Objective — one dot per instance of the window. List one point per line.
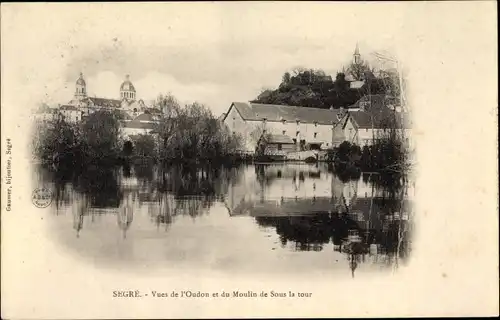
(284, 132)
(280, 146)
(315, 134)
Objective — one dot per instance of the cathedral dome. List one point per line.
(127, 85)
(80, 80)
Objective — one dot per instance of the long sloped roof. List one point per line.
(144, 117)
(273, 112)
(68, 107)
(105, 103)
(133, 124)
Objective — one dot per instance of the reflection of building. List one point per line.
(310, 207)
(125, 215)
(287, 190)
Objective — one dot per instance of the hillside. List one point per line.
(314, 89)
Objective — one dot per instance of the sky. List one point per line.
(212, 53)
(205, 52)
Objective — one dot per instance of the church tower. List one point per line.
(356, 55)
(81, 88)
(127, 90)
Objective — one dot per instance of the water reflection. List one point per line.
(309, 208)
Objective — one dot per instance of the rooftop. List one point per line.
(104, 102)
(374, 110)
(272, 112)
(68, 107)
(144, 117)
(127, 85)
(134, 124)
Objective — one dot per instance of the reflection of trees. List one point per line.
(208, 182)
(126, 170)
(310, 232)
(61, 177)
(100, 185)
(267, 174)
(190, 190)
(144, 172)
(390, 184)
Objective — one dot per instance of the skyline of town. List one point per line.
(105, 83)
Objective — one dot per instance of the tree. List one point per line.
(168, 104)
(360, 70)
(100, 135)
(55, 141)
(286, 78)
(194, 133)
(256, 133)
(145, 146)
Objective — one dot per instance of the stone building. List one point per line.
(309, 128)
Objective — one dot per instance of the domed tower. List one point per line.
(127, 90)
(81, 88)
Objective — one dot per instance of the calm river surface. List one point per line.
(250, 218)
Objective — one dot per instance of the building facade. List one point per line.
(309, 128)
(373, 118)
(135, 116)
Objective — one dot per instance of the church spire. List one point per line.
(357, 55)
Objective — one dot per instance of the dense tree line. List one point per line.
(94, 139)
(187, 133)
(193, 133)
(313, 88)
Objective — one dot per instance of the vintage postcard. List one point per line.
(249, 159)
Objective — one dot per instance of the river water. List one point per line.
(266, 218)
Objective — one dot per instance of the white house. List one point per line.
(308, 127)
(70, 113)
(142, 124)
